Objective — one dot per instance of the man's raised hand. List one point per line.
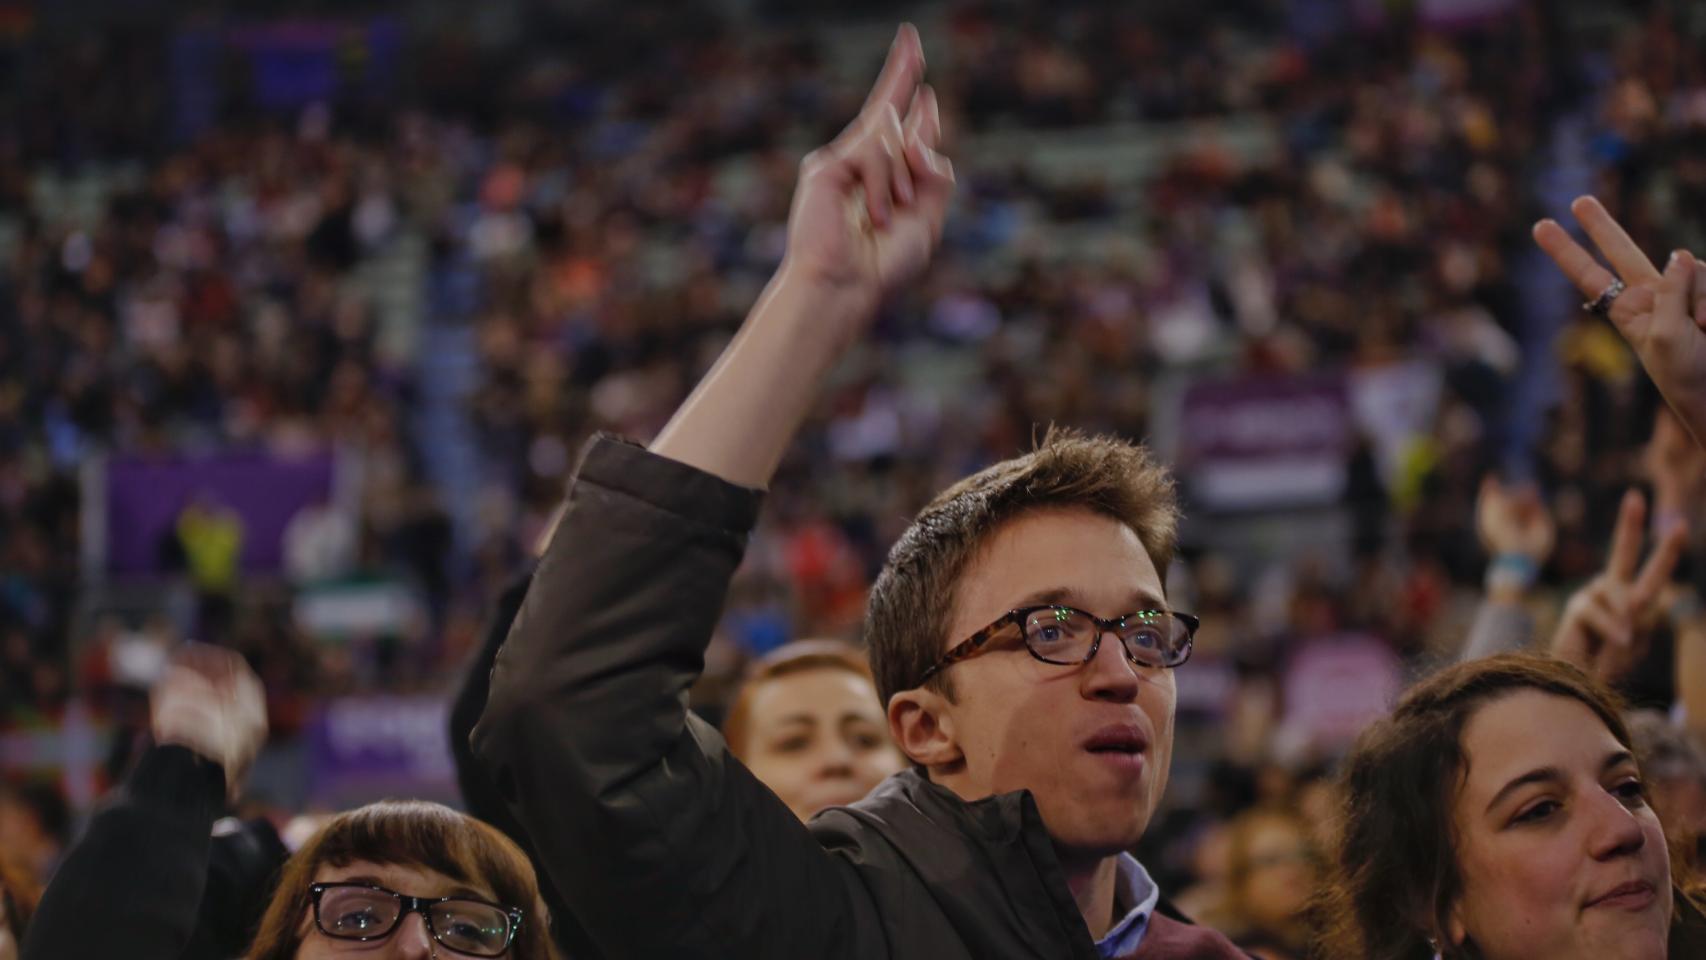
(869, 206)
(867, 213)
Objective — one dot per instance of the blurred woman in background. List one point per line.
(1273, 869)
(807, 722)
(18, 895)
(389, 881)
(1675, 768)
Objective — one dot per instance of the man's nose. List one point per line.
(1110, 674)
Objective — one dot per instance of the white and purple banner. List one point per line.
(1258, 443)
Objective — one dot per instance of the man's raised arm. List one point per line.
(659, 841)
(843, 257)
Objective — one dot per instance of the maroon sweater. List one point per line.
(1168, 939)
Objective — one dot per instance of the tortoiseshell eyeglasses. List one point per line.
(1068, 636)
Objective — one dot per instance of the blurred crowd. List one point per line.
(592, 211)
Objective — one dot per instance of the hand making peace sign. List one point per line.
(1662, 315)
(1602, 624)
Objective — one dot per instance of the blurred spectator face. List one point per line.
(1675, 767)
(32, 820)
(1274, 869)
(1682, 799)
(817, 738)
(1559, 853)
(1093, 742)
(1318, 802)
(19, 894)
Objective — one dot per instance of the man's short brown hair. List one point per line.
(906, 621)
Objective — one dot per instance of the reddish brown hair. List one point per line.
(791, 658)
(412, 833)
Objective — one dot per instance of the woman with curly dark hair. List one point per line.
(1499, 814)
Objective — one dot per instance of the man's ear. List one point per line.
(922, 724)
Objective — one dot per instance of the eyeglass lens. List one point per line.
(1064, 635)
(362, 913)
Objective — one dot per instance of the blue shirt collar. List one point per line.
(1134, 890)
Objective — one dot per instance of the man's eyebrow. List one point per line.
(1139, 599)
(1047, 595)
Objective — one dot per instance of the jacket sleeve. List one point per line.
(243, 864)
(659, 841)
(479, 794)
(1498, 628)
(131, 887)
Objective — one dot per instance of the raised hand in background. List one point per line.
(1603, 630)
(1661, 314)
(1517, 531)
(1676, 467)
(211, 702)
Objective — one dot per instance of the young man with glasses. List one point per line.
(1019, 634)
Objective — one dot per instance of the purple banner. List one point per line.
(1457, 14)
(145, 497)
(297, 62)
(363, 748)
(1256, 443)
(1335, 686)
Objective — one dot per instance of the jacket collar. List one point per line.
(989, 863)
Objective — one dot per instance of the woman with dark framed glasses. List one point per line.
(401, 880)
(393, 880)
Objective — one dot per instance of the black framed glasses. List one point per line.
(1054, 633)
(366, 912)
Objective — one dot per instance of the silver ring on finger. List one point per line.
(1600, 306)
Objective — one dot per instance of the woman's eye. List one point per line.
(358, 920)
(792, 745)
(1630, 792)
(1538, 812)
